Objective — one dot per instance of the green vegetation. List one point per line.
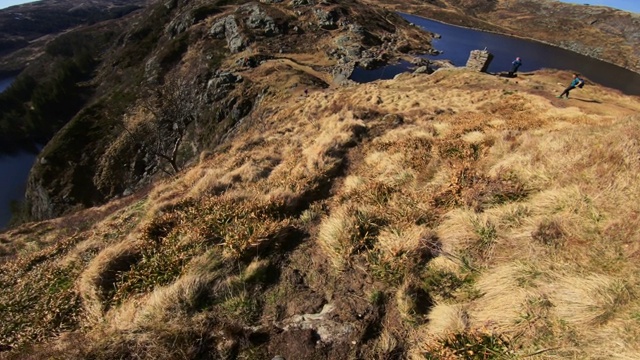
(472, 346)
(35, 109)
(39, 299)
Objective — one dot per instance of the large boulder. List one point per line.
(479, 60)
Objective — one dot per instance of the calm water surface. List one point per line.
(457, 42)
(14, 170)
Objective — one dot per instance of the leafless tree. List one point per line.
(174, 106)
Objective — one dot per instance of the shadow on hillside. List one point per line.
(507, 75)
(588, 100)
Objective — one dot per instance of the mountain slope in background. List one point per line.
(601, 32)
(31, 25)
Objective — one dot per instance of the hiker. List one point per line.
(576, 82)
(514, 66)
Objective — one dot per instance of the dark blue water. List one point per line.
(14, 170)
(457, 42)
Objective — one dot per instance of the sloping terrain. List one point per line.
(172, 85)
(597, 31)
(25, 29)
(452, 215)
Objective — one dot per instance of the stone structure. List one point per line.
(479, 60)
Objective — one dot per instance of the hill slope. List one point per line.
(25, 29)
(430, 215)
(597, 31)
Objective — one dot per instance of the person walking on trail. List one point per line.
(576, 82)
(514, 66)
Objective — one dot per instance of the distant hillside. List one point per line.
(23, 25)
(167, 86)
(597, 31)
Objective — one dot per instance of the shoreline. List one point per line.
(517, 37)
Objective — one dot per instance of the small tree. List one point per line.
(173, 106)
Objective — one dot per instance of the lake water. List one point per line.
(14, 170)
(457, 42)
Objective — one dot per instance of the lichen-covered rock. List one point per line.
(229, 27)
(422, 70)
(327, 19)
(180, 24)
(259, 20)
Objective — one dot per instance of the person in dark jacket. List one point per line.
(514, 66)
(576, 82)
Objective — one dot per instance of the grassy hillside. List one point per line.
(443, 216)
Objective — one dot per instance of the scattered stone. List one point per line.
(259, 20)
(422, 70)
(327, 329)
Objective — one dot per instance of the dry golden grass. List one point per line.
(523, 209)
(100, 275)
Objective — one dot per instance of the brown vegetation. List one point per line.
(491, 221)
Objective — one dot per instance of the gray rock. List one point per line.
(259, 20)
(229, 27)
(221, 85)
(217, 30)
(421, 70)
(326, 18)
(296, 3)
(479, 60)
(357, 29)
(328, 330)
(180, 24)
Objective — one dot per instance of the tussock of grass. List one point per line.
(447, 319)
(346, 231)
(98, 279)
(593, 300)
(410, 242)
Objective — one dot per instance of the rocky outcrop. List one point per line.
(180, 24)
(257, 19)
(228, 28)
(327, 19)
(220, 85)
(479, 60)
